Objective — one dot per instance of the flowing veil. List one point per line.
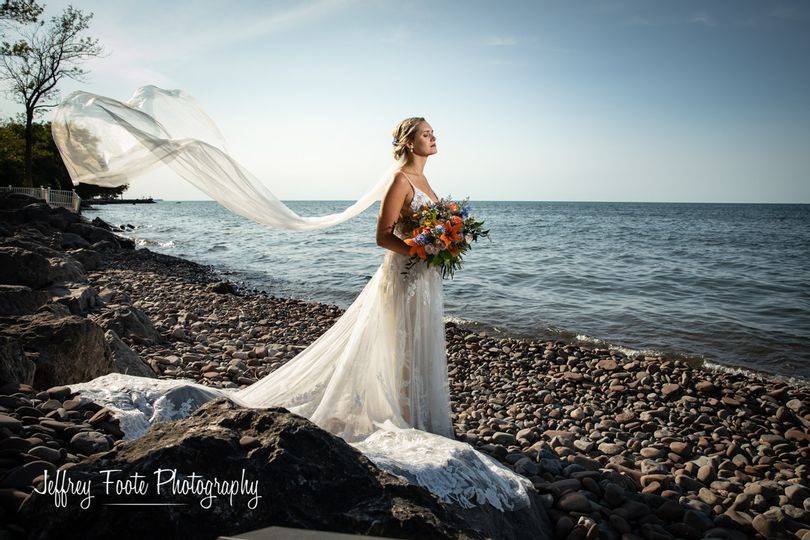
(109, 143)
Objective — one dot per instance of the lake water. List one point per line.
(728, 283)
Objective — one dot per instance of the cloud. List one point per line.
(496, 41)
(667, 20)
(197, 36)
(701, 18)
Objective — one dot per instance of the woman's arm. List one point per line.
(389, 214)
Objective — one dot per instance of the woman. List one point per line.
(384, 359)
(378, 376)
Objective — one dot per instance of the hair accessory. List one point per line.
(394, 142)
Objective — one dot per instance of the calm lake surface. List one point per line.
(728, 283)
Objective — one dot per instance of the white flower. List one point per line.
(468, 238)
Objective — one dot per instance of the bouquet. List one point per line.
(440, 233)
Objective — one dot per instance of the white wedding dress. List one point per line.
(377, 378)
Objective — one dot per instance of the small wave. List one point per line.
(142, 242)
(627, 351)
(217, 247)
(795, 380)
(458, 320)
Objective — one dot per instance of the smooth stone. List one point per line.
(89, 442)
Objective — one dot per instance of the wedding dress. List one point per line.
(384, 359)
(376, 378)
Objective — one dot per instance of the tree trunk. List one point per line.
(28, 176)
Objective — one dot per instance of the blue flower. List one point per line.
(422, 239)
(439, 229)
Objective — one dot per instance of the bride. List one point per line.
(384, 359)
(378, 376)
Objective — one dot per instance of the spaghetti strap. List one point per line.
(413, 187)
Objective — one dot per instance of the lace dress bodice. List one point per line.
(419, 198)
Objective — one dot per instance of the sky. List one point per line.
(641, 101)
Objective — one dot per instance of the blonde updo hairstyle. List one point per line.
(404, 134)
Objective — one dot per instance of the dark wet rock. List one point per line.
(98, 222)
(223, 287)
(72, 240)
(20, 299)
(22, 267)
(65, 269)
(92, 233)
(68, 349)
(15, 201)
(128, 321)
(126, 360)
(15, 365)
(23, 476)
(88, 258)
(79, 298)
(306, 477)
(89, 442)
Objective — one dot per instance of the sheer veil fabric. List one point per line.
(376, 378)
(109, 143)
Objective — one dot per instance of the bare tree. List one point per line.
(41, 57)
(21, 11)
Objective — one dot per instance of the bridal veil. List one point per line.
(109, 143)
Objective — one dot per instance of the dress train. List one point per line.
(376, 378)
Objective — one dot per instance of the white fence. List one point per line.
(54, 197)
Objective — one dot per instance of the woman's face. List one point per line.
(424, 142)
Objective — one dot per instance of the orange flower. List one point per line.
(453, 249)
(453, 231)
(446, 239)
(416, 249)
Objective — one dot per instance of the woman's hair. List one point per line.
(403, 134)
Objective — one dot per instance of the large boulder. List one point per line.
(15, 365)
(305, 477)
(98, 222)
(128, 322)
(14, 201)
(67, 349)
(61, 218)
(78, 297)
(38, 211)
(125, 359)
(73, 240)
(61, 266)
(20, 300)
(66, 268)
(31, 239)
(23, 267)
(89, 259)
(91, 233)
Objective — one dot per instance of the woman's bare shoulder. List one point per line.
(400, 183)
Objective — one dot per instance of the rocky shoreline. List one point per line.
(616, 447)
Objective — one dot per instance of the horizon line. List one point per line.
(509, 200)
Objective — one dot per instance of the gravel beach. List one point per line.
(617, 447)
